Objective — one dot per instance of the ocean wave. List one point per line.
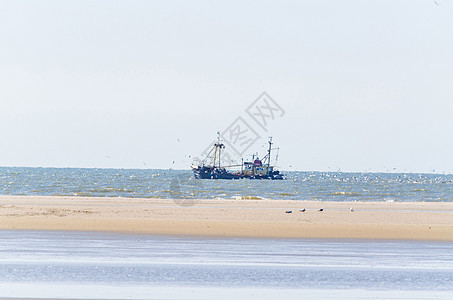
(342, 193)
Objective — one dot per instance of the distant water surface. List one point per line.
(333, 186)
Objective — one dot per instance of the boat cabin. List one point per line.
(256, 168)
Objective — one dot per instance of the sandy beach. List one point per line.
(231, 218)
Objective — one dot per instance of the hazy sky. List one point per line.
(364, 85)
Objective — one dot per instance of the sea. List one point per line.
(92, 265)
(171, 184)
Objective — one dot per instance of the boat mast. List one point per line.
(269, 155)
(218, 146)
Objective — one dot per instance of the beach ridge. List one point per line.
(231, 218)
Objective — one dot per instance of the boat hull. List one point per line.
(216, 173)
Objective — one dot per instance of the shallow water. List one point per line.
(108, 266)
(333, 186)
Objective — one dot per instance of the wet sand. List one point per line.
(231, 218)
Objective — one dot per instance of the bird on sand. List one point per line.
(351, 209)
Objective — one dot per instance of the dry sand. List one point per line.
(231, 218)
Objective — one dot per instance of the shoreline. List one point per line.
(231, 218)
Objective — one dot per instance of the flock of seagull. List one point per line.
(304, 210)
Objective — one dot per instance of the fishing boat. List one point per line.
(257, 169)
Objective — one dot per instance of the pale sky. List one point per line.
(365, 85)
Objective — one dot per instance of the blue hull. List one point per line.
(216, 173)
